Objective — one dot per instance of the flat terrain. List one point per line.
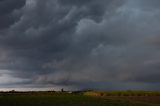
(74, 99)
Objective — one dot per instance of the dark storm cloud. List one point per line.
(6, 8)
(80, 43)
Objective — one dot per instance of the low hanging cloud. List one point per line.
(80, 43)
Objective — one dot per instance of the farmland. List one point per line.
(90, 98)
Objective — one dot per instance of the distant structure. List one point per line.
(12, 91)
(62, 90)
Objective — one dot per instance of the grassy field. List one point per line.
(148, 97)
(97, 98)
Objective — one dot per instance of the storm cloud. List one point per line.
(109, 44)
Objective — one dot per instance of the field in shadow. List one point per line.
(84, 98)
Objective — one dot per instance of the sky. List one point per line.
(80, 44)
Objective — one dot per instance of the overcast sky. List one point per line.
(97, 44)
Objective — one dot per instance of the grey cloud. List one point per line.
(148, 4)
(77, 42)
(6, 9)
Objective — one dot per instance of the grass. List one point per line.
(64, 99)
(148, 97)
(123, 93)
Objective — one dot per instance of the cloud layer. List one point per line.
(80, 43)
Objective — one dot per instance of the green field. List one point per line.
(67, 99)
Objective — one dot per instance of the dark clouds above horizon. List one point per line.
(110, 44)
